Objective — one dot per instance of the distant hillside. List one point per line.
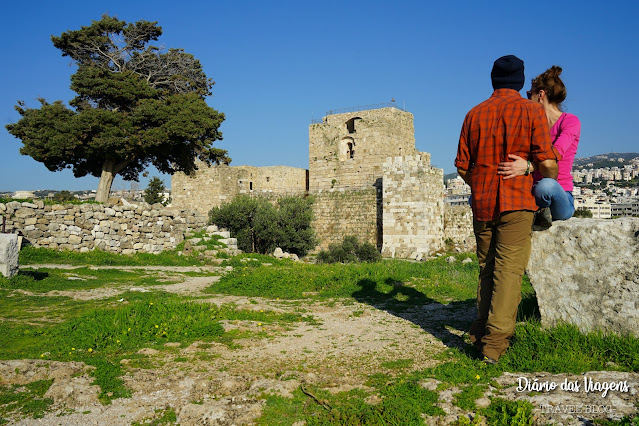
(605, 160)
(450, 176)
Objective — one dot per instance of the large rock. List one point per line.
(9, 249)
(586, 272)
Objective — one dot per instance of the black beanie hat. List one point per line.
(508, 73)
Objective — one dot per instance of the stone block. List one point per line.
(586, 272)
(9, 248)
(75, 239)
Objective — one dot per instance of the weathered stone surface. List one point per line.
(278, 253)
(586, 272)
(9, 254)
(89, 226)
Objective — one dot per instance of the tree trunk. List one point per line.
(109, 170)
(104, 187)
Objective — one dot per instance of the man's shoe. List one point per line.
(543, 219)
(488, 360)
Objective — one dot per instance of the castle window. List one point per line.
(268, 179)
(250, 186)
(347, 149)
(350, 124)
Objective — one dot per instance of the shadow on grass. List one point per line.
(35, 275)
(432, 316)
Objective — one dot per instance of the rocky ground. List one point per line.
(223, 386)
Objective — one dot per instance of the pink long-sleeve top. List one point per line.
(565, 136)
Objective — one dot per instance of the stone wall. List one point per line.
(125, 228)
(213, 186)
(413, 207)
(348, 150)
(458, 227)
(342, 212)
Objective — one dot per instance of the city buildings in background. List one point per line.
(606, 184)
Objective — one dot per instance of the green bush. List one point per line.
(350, 250)
(64, 197)
(260, 227)
(582, 212)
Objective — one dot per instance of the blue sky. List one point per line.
(279, 64)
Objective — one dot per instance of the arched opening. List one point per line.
(350, 124)
(347, 149)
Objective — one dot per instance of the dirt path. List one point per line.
(210, 384)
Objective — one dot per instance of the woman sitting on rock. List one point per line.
(554, 197)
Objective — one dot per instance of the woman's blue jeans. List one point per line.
(548, 193)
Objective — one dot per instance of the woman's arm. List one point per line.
(567, 133)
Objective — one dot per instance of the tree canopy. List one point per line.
(136, 105)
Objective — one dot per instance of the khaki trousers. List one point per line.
(503, 250)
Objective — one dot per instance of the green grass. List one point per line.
(102, 336)
(81, 278)
(102, 333)
(164, 416)
(25, 400)
(31, 255)
(564, 349)
(508, 413)
(404, 282)
(402, 403)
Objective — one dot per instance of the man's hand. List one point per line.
(514, 168)
(465, 174)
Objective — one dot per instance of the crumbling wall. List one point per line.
(127, 228)
(216, 185)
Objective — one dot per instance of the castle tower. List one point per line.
(348, 150)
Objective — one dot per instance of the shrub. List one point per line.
(582, 212)
(350, 250)
(64, 196)
(260, 227)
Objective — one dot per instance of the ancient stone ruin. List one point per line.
(9, 248)
(367, 179)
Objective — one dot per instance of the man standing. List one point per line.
(503, 209)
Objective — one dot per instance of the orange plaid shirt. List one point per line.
(503, 124)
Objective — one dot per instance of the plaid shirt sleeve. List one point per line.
(463, 161)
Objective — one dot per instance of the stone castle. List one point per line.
(365, 174)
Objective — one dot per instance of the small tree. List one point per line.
(582, 212)
(154, 193)
(260, 227)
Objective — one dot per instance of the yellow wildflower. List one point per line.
(90, 350)
(157, 326)
(477, 377)
(73, 349)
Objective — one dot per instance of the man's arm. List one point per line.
(465, 174)
(548, 169)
